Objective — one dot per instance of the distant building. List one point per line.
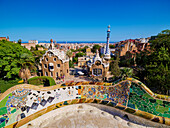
(88, 52)
(40, 48)
(55, 63)
(45, 45)
(31, 43)
(131, 46)
(82, 61)
(4, 38)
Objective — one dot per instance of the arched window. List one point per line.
(97, 72)
(97, 63)
(51, 67)
(50, 54)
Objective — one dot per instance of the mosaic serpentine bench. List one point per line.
(23, 103)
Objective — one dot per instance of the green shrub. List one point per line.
(39, 80)
(4, 84)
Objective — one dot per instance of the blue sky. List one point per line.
(82, 20)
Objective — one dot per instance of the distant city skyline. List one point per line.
(75, 20)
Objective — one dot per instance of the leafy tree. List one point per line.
(84, 49)
(154, 68)
(162, 40)
(38, 46)
(80, 54)
(126, 62)
(19, 41)
(112, 46)
(126, 72)
(32, 48)
(73, 50)
(71, 64)
(158, 69)
(27, 66)
(114, 67)
(75, 59)
(12, 58)
(69, 53)
(37, 55)
(95, 47)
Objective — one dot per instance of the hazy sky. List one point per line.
(82, 20)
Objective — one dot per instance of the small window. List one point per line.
(45, 66)
(50, 54)
(51, 67)
(46, 59)
(56, 74)
(54, 59)
(51, 73)
(46, 74)
(58, 65)
(67, 70)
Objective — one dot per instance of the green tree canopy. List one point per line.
(95, 47)
(126, 72)
(69, 53)
(71, 64)
(114, 67)
(112, 46)
(37, 55)
(154, 67)
(19, 41)
(12, 57)
(161, 40)
(80, 54)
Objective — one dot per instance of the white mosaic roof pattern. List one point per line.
(59, 53)
(97, 58)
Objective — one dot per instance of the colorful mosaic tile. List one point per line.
(127, 95)
(143, 101)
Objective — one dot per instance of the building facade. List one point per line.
(4, 38)
(82, 61)
(31, 43)
(88, 52)
(55, 63)
(132, 46)
(99, 67)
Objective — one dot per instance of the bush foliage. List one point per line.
(4, 85)
(42, 80)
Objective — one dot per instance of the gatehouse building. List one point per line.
(99, 67)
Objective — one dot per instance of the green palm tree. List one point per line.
(69, 53)
(126, 72)
(27, 65)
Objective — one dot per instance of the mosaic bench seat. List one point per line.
(27, 102)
